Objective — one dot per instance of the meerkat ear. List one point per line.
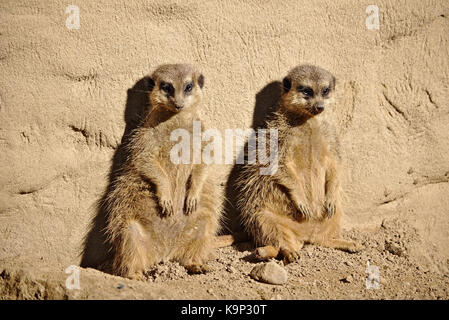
(150, 84)
(201, 81)
(286, 84)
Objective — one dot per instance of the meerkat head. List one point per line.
(175, 87)
(307, 90)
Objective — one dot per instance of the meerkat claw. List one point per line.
(305, 211)
(190, 205)
(288, 256)
(330, 209)
(167, 207)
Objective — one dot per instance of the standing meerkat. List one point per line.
(159, 210)
(300, 202)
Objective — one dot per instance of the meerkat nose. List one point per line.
(319, 107)
(179, 106)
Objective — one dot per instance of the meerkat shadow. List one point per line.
(265, 106)
(96, 251)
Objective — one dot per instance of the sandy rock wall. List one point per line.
(67, 96)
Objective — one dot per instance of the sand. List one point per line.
(67, 96)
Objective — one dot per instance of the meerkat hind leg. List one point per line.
(132, 257)
(266, 253)
(288, 256)
(277, 228)
(197, 243)
(269, 252)
(344, 245)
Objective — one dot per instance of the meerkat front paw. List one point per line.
(304, 209)
(190, 204)
(330, 207)
(166, 206)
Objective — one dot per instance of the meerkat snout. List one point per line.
(308, 90)
(175, 89)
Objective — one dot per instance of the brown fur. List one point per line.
(158, 210)
(301, 202)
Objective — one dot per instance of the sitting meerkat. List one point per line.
(300, 202)
(159, 210)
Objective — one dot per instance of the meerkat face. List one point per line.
(308, 90)
(175, 87)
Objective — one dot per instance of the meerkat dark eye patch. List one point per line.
(167, 88)
(325, 91)
(201, 81)
(286, 84)
(188, 88)
(307, 91)
(150, 84)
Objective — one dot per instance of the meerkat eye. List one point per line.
(306, 91)
(326, 91)
(166, 87)
(188, 87)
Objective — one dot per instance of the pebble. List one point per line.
(394, 248)
(347, 279)
(270, 273)
(230, 269)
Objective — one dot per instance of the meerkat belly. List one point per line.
(311, 174)
(166, 231)
(179, 174)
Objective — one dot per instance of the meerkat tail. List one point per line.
(229, 239)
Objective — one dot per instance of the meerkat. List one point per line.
(300, 202)
(159, 210)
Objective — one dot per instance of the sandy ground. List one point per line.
(319, 273)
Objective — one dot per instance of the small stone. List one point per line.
(230, 269)
(423, 268)
(394, 248)
(120, 286)
(210, 291)
(347, 279)
(269, 272)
